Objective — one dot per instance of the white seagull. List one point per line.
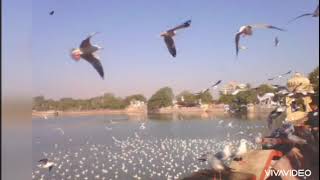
(246, 30)
(168, 37)
(242, 149)
(86, 51)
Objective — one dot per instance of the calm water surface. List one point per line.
(124, 147)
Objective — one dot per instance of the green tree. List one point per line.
(109, 101)
(162, 98)
(246, 97)
(226, 99)
(189, 99)
(264, 88)
(206, 97)
(137, 97)
(38, 102)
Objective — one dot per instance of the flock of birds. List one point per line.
(144, 156)
(141, 155)
(87, 51)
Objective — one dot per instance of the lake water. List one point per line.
(122, 147)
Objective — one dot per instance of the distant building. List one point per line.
(136, 104)
(232, 86)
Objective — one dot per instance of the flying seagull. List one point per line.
(51, 13)
(246, 30)
(280, 76)
(168, 37)
(215, 85)
(314, 14)
(86, 51)
(45, 163)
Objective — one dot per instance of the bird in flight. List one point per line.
(247, 30)
(280, 76)
(169, 34)
(51, 13)
(313, 14)
(86, 51)
(215, 85)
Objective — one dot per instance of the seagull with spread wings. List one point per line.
(169, 34)
(215, 85)
(280, 76)
(86, 51)
(315, 13)
(247, 30)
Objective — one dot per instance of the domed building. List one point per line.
(299, 84)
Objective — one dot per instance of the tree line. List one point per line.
(164, 97)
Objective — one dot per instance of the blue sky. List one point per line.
(135, 58)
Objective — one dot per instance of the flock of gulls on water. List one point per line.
(163, 158)
(144, 156)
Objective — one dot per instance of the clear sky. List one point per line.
(135, 58)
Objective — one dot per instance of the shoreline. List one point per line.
(77, 113)
(141, 111)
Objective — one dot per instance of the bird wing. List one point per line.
(95, 62)
(237, 39)
(286, 73)
(170, 45)
(86, 43)
(206, 90)
(298, 17)
(181, 26)
(218, 82)
(266, 26)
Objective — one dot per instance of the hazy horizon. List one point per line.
(135, 58)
